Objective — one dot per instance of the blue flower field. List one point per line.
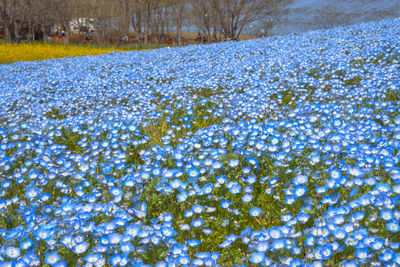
(280, 151)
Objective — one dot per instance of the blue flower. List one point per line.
(225, 244)
(255, 211)
(278, 244)
(114, 238)
(262, 246)
(193, 173)
(52, 258)
(235, 189)
(310, 241)
(168, 231)
(393, 226)
(198, 208)
(233, 163)
(326, 252)
(197, 223)
(116, 259)
(257, 257)
(362, 253)
(247, 198)
(80, 248)
(182, 196)
(225, 203)
(386, 215)
(26, 244)
(386, 255)
(300, 190)
(92, 258)
(42, 233)
(140, 209)
(300, 179)
(12, 252)
(352, 263)
(221, 179)
(32, 192)
(193, 243)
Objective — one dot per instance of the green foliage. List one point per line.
(70, 139)
(133, 156)
(54, 113)
(200, 119)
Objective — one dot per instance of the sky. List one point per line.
(305, 15)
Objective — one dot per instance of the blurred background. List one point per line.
(177, 22)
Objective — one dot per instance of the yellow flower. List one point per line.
(27, 52)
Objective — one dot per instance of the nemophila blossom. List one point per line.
(352, 263)
(197, 223)
(32, 193)
(255, 211)
(386, 215)
(393, 226)
(92, 258)
(182, 196)
(396, 258)
(339, 233)
(27, 243)
(300, 191)
(52, 258)
(80, 248)
(247, 198)
(225, 203)
(207, 189)
(326, 252)
(235, 189)
(42, 233)
(116, 259)
(377, 244)
(140, 209)
(168, 232)
(12, 252)
(193, 242)
(193, 173)
(257, 257)
(362, 253)
(262, 246)
(310, 241)
(31, 258)
(278, 244)
(207, 231)
(273, 181)
(233, 163)
(198, 208)
(300, 179)
(221, 179)
(114, 238)
(155, 239)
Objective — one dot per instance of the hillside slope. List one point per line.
(279, 151)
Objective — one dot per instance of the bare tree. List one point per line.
(179, 8)
(273, 15)
(8, 15)
(149, 18)
(136, 19)
(234, 15)
(230, 17)
(205, 17)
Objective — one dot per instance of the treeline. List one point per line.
(114, 20)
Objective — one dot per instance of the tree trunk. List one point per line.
(45, 34)
(179, 26)
(10, 37)
(137, 22)
(31, 35)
